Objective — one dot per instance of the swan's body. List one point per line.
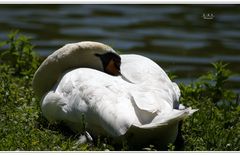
(140, 105)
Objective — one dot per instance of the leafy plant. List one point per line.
(17, 52)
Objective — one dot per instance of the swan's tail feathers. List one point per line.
(191, 111)
(177, 115)
(52, 105)
(168, 118)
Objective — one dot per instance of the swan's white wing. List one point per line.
(153, 108)
(96, 95)
(148, 103)
(141, 70)
(137, 69)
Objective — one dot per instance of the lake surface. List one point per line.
(182, 39)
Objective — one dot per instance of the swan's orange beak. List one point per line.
(113, 68)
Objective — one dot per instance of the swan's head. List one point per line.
(111, 62)
(92, 55)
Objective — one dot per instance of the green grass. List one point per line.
(216, 126)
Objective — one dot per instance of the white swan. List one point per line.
(140, 105)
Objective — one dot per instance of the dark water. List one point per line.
(177, 37)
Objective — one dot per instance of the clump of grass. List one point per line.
(216, 126)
